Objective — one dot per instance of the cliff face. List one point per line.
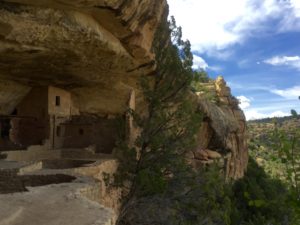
(97, 50)
(222, 136)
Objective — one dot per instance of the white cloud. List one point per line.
(199, 63)
(292, 22)
(289, 93)
(279, 114)
(291, 61)
(212, 26)
(258, 113)
(244, 102)
(253, 114)
(215, 68)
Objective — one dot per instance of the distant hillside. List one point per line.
(262, 142)
(271, 120)
(262, 127)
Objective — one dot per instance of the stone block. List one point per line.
(201, 154)
(213, 154)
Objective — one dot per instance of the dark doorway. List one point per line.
(58, 131)
(15, 112)
(5, 128)
(57, 100)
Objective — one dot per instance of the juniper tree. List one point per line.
(160, 187)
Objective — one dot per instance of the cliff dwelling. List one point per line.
(48, 145)
(46, 116)
(69, 72)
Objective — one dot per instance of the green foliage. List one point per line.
(277, 148)
(199, 77)
(286, 142)
(152, 172)
(189, 198)
(204, 198)
(279, 120)
(159, 187)
(202, 84)
(294, 113)
(259, 199)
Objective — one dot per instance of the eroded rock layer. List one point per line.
(96, 49)
(222, 136)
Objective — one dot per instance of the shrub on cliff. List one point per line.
(159, 186)
(189, 198)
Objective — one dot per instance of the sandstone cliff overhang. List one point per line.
(223, 131)
(97, 49)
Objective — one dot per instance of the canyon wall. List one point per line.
(97, 50)
(222, 137)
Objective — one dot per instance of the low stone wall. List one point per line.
(105, 195)
(30, 168)
(34, 154)
(39, 152)
(81, 154)
(101, 167)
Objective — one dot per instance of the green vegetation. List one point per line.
(276, 147)
(260, 199)
(159, 187)
(200, 77)
(279, 120)
(287, 145)
(154, 179)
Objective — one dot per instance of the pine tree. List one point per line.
(160, 187)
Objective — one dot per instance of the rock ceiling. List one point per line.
(97, 49)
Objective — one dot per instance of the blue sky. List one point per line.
(253, 44)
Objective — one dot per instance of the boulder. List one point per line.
(213, 154)
(201, 154)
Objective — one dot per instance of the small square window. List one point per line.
(15, 112)
(57, 100)
(81, 131)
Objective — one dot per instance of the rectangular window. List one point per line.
(81, 132)
(57, 100)
(15, 112)
(58, 131)
(5, 128)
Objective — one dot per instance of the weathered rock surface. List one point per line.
(97, 49)
(223, 132)
(52, 205)
(54, 189)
